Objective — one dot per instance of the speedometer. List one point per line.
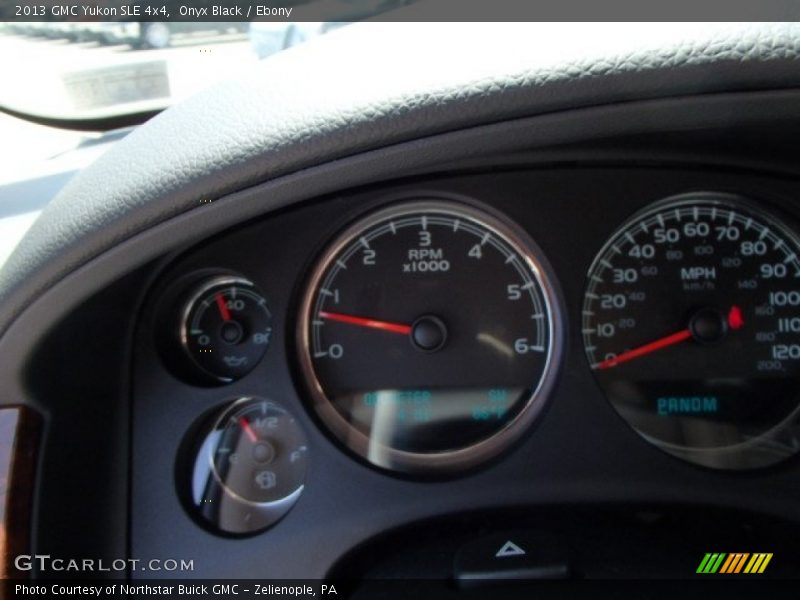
(691, 324)
(429, 335)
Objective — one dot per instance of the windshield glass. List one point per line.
(93, 69)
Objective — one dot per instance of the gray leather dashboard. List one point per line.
(364, 88)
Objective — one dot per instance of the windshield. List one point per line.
(93, 69)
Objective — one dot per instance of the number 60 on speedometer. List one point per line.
(691, 325)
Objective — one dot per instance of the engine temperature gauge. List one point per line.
(226, 327)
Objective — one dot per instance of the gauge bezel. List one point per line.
(750, 453)
(232, 409)
(185, 312)
(463, 458)
(236, 516)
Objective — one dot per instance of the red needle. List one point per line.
(664, 342)
(223, 307)
(735, 318)
(248, 430)
(735, 321)
(363, 322)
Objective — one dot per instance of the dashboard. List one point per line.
(542, 330)
(464, 344)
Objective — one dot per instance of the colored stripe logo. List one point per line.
(734, 563)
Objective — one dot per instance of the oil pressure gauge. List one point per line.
(225, 327)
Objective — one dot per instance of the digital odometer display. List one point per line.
(428, 335)
(691, 324)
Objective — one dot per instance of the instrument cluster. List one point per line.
(428, 334)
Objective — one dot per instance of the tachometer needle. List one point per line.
(364, 322)
(248, 430)
(670, 340)
(223, 307)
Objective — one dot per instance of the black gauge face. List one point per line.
(226, 327)
(251, 466)
(428, 334)
(691, 325)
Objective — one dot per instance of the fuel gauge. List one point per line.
(225, 327)
(251, 467)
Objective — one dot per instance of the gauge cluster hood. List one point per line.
(364, 88)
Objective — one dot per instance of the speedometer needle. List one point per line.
(665, 342)
(707, 325)
(365, 322)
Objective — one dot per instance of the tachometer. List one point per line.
(691, 326)
(429, 335)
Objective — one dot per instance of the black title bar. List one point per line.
(398, 10)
